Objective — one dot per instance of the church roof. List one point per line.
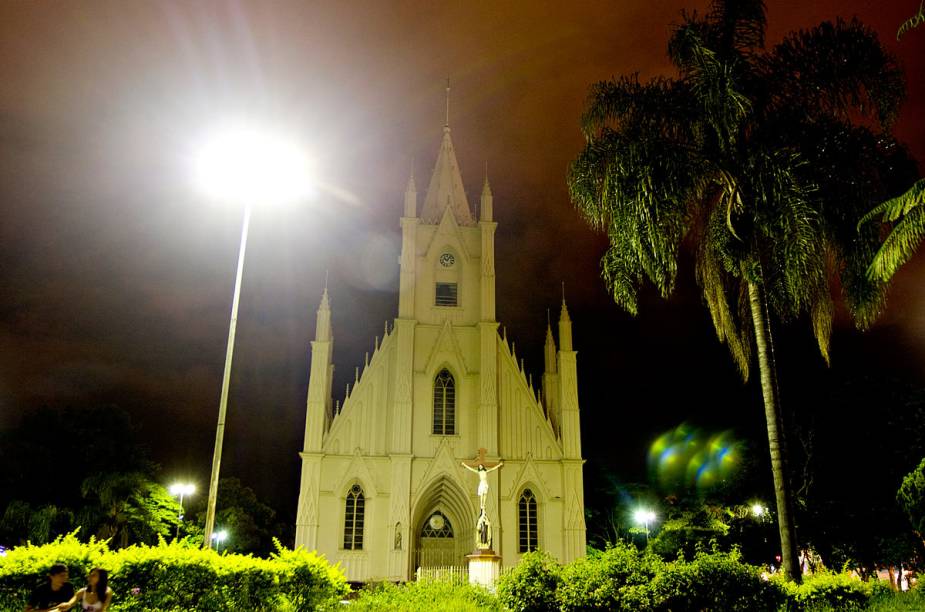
(446, 187)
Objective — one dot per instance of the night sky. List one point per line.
(116, 275)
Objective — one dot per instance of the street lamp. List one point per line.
(245, 165)
(643, 517)
(758, 510)
(181, 490)
(220, 537)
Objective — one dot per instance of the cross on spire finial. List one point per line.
(447, 124)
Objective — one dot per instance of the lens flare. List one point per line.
(688, 458)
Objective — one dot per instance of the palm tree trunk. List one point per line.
(789, 559)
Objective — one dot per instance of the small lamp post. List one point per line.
(219, 536)
(644, 516)
(759, 511)
(181, 490)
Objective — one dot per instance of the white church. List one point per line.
(383, 489)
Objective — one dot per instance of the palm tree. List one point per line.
(906, 213)
(128, 507)
(755, 160)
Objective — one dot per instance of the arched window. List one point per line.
(526, 514)
(353, 519)
(444, 404)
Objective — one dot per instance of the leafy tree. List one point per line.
(251, 524)
(906, 214)
(911, 498)
(847, 510)
(127, 506)
(754, 159)
(22, 522)
(80, 467)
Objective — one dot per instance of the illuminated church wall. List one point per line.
(382, 489)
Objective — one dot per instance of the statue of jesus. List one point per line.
(483, 472)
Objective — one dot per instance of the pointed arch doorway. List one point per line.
(442, 533)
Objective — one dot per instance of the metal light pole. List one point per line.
(246, 165)
(644, 517)
(226, 381)
(181, 490)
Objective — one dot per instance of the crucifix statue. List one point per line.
(480, 466)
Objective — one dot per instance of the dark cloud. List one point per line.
(116, 278)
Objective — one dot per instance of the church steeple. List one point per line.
(549, 354)
(446, 186)
(323, 331)
(565, 325)
(319, 408)
(487, 201)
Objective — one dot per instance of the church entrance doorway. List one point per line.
(442, 531)
(438, 546)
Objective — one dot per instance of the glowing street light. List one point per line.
(644, 516)
(219, 537)
(758, 510)
(181, 490)
(248, 166)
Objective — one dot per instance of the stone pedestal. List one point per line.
(484, 568)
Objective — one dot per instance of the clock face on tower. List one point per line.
(447, 260)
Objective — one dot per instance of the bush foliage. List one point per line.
(177, 576)
(622, 578)
(173, 577)
(431, 595)
(830, 591)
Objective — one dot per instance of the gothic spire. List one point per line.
(487, 200)
(323, 332)
(549, 352)
(446, 187)
(565, 325)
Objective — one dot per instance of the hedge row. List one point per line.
(427, 594)
(173, 577)
(622, 578)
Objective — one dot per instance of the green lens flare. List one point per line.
(689, 458)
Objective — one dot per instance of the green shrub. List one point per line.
(885, 599)
(174, 577)
(615, 579)
(24, 567)
(171, 576)
(717, 581)
(531, 585)
(829, 591)
(431, 595)
(307, 579)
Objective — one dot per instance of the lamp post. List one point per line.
(181, 490)
(644, 517)
(246, 166)
(220, 537)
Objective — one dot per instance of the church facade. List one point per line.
(383, 490)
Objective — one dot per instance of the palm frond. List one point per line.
(898, 207)
(714, 274)
(900, 245)
(836, 68)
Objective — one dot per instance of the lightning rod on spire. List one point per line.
(447, 124)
